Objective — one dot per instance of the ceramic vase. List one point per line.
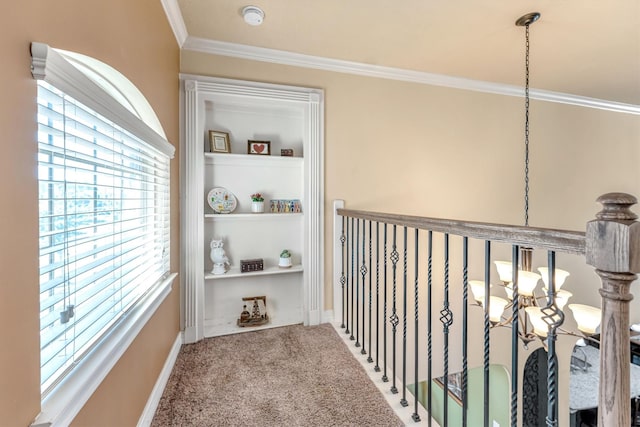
(257, 207)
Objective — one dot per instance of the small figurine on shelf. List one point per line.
(257, 203)
(285, 259)
(219, 258)
(245, 315)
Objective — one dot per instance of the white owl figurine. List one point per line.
(219, 258)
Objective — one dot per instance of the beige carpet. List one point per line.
(289, 376)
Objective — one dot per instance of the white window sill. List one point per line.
(66, 400)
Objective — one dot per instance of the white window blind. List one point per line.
(103, 226)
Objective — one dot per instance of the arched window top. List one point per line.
(117, 85)
(103, 89)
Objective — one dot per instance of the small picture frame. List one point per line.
(286, 152)
(262, 148)
(219, 142)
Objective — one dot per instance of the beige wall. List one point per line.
(401, 147)
(135, 38)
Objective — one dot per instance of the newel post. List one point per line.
(613, 248)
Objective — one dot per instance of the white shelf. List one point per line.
(231, 159)
(253, 216)
(235, 272)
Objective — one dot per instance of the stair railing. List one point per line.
(384, 264)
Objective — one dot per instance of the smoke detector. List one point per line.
(253, 15)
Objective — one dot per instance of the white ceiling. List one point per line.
(588, 48)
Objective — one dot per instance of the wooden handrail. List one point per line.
(565, 241)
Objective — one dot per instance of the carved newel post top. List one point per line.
(616, 207)
(613, 239)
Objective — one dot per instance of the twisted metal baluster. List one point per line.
(384, 311)
(554, 317)
(515, 252)
(363, 273)
(377, 367)
(429, 333)
(353, 285)
(416, 355)
(446, 317)
(487, 279)
(342, 277)
(346, 330)
(357, 284)
(403, 401)
(465, 338)
(394, 316)
(370, 359)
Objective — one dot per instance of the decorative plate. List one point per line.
(221, 200)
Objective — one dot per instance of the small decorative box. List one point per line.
(248, 265)
(286, 152)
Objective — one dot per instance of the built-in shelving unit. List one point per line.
(288, 117)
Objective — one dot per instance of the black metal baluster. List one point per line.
(394, 316)
(377, 367)
(353, 285)
(515, 251)
(446, 317)
(342, 277)
(416, 354)
(554, 317)
(403, 401)
(429, 333)
(384, 311)
(363, 273)
(487, 278)
(357, 284)
(349, 239)
(370, 359)
(465, 321)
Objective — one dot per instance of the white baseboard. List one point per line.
(327, 316)
(154, 399)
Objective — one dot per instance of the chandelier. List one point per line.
(535, 318)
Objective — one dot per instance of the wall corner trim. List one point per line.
(176, 22)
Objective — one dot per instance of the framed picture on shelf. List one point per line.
(259, 147)
(219, 142)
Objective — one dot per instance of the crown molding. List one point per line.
(172, 10)
(253, 53)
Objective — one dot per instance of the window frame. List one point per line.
(63, 402)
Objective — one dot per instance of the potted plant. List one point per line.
(257, 203)
(285, 259)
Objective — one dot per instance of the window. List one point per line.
(103, 227)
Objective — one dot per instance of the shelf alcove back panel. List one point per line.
(243, 175)
(283, 292)
(246, 238)
(280, 122)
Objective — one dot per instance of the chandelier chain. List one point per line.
(526, 132)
